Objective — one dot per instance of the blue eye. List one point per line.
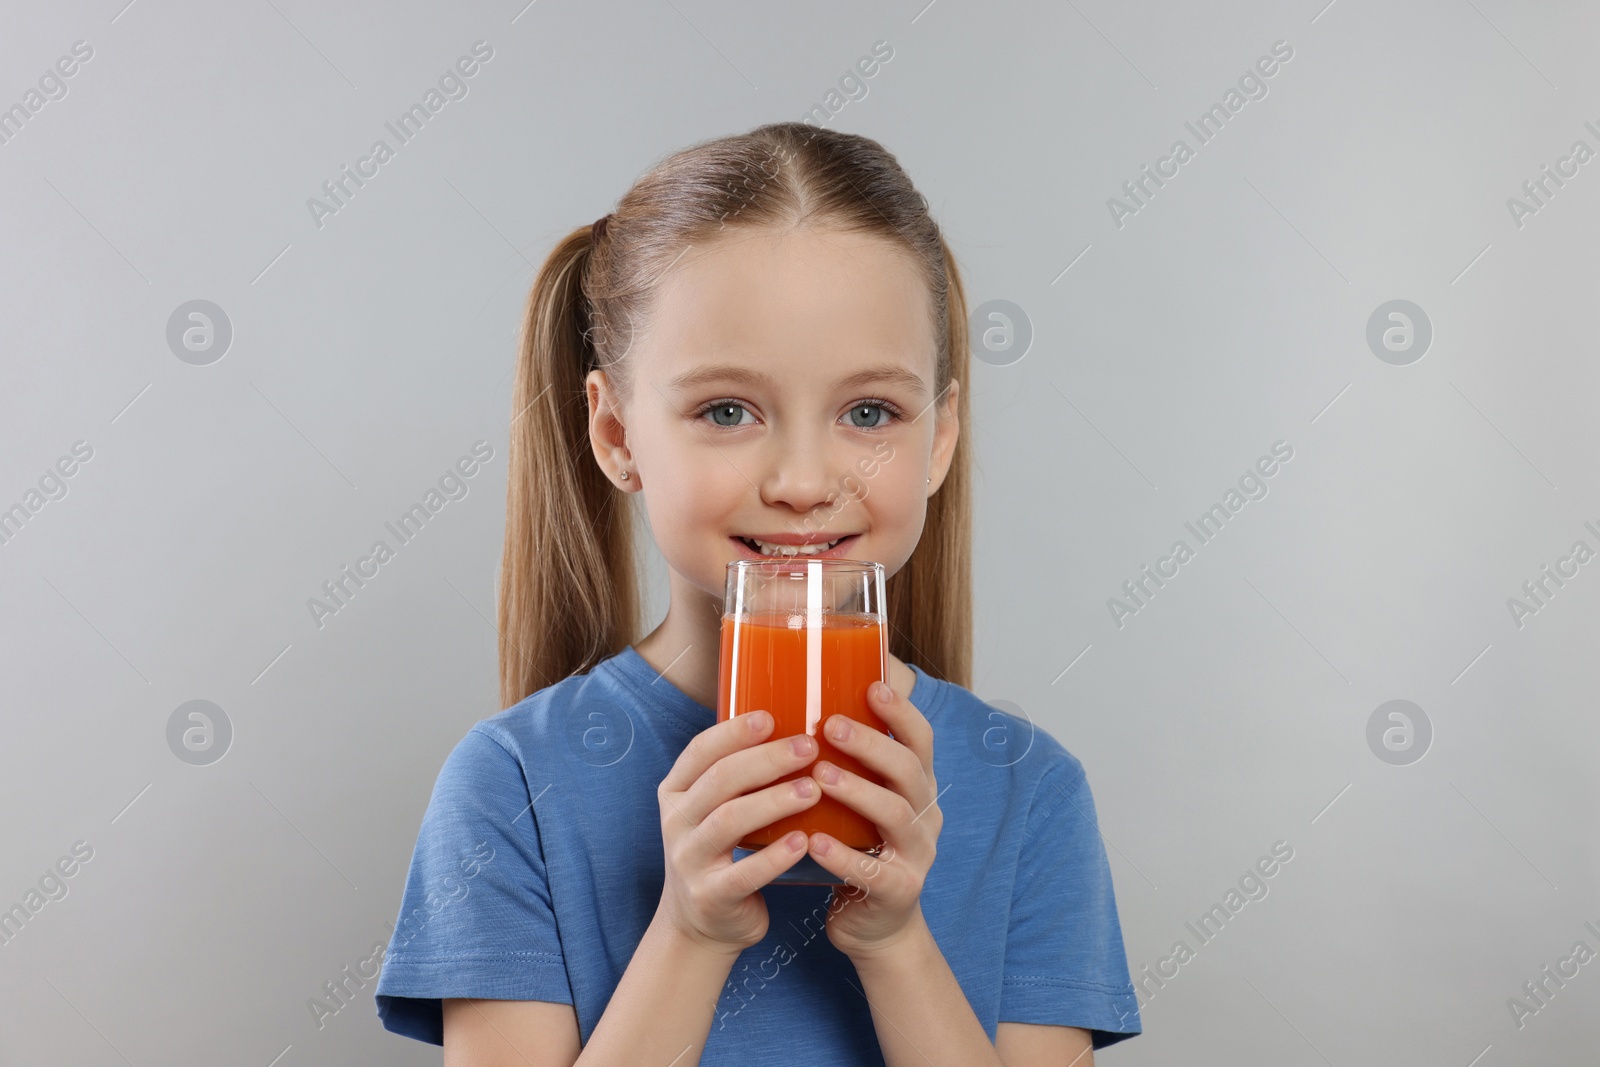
(725, 414)
(723, 407)
(883, 407)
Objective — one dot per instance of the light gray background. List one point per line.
(1229, 313)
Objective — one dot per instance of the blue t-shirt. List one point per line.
(540, 864)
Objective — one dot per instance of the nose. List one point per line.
(800, 472)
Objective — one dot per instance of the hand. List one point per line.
(707, 808)
(882, 895)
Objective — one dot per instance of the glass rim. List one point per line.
(801, 563)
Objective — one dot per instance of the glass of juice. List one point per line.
(803, 639)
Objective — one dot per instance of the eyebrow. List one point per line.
(745, 376)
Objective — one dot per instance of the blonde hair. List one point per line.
(569, 579)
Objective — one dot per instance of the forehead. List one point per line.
(802, 306)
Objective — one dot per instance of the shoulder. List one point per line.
(579, 710)
(499, 755)
(504, 762)
(1002, 742)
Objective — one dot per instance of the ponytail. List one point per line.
(568, 593)
(930, 598)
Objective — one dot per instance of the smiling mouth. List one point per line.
(820, 548)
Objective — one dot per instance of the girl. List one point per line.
(767, 341)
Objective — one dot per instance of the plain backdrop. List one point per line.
(1172, 343)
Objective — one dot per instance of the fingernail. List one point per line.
(820, 844)
(796, 841)
(882, 692)
(758, 721)
(800, 744)
(839, 729)
(803, 787)
(828, 773)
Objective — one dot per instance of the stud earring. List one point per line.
(624, 475)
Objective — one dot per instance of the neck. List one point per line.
(686, 647)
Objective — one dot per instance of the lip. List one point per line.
(838, 551)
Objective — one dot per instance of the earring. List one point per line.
(624, 475)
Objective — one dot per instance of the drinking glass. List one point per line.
(803, 639)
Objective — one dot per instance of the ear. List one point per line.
(607, 434)
(946, 432)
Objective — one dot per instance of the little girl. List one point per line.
(767, 340)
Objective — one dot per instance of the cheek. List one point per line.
(897, 511)
(676, 474)
(893, 502)
(689, 496)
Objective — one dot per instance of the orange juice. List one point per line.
(770, 670)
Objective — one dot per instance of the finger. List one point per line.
(738, 880)
(858, 870)
(897, 764)
(889, 811)
(748, 769)
(713, 743)
(737, 819)
(905, 720)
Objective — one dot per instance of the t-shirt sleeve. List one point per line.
(1065, 963)
(475, 919)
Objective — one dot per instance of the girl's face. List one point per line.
(785, 388)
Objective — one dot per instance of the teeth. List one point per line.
(791, 550)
